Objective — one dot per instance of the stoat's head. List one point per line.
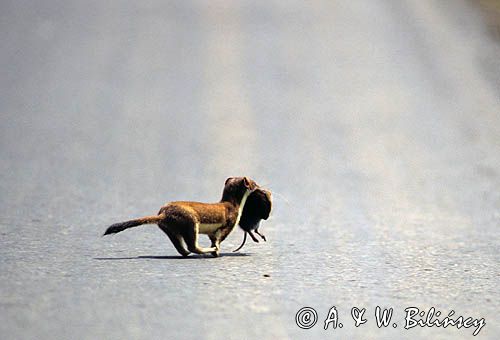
(236, 187)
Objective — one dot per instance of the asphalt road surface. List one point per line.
(375, 123)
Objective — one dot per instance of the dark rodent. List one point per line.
(257, 207)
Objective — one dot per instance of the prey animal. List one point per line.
(257, 208)
(183, 221)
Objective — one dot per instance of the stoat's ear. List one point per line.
(246, 182)
(227, 180)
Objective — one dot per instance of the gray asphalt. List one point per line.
(375, 123)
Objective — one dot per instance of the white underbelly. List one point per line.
(208, 228)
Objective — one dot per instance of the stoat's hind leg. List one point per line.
(191, 237)
(176, 240)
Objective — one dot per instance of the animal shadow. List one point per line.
(169, 257)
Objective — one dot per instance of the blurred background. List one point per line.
(375, 123)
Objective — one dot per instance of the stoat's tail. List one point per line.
(117, 227)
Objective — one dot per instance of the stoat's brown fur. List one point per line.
(183, 221)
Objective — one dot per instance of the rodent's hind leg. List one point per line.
(176, 240)
(191, 238)
(255, 239)
(261, 235)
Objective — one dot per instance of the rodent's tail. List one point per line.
(117, 227)
(242, 243)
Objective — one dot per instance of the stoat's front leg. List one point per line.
(216, 239)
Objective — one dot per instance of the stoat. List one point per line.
(183, 221)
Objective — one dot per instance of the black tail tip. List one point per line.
(112, 230)
(107, 232)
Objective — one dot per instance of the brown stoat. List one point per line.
(257, 207)
(182, 221)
